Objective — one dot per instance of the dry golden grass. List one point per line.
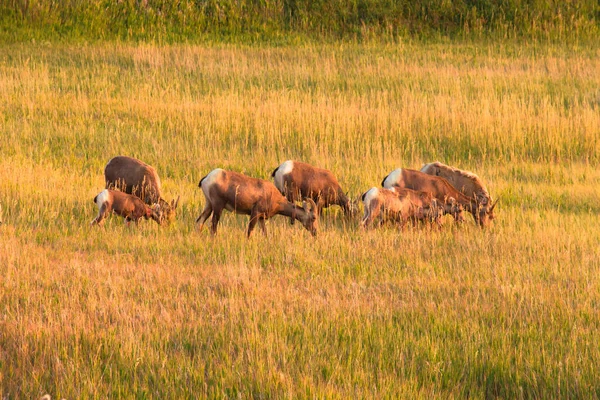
(168, 312)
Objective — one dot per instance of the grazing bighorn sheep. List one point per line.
(435, 209)
(258, 198)
(128, 206)
(468, 184)
(439, 187)
(386, 202)
(299, 181)
(402, 205)
(135, 177)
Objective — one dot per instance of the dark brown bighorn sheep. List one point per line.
(232, 191)
(299, 181)
(468, 184)
(130, 207)
(135, 177)
(439, 187)
(402, 205)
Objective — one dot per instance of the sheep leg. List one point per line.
(365, 219)
(261, 221)
(254, 217)
(204, 216)
(371, 213)
(102, 214)
(413, 221)
(215, 220)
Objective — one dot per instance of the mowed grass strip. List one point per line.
(170, 312)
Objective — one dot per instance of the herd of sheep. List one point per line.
(133, 191)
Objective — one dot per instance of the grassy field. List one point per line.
(168, 312)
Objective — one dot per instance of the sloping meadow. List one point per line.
(170, 312)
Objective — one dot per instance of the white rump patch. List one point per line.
(370, 195)
(210, 180)
(392, 178)
(284, 169)
(102, 198)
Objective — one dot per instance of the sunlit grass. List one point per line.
(170, 312)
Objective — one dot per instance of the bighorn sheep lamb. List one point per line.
(130, 207)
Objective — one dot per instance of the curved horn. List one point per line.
(494, 204)
(313, 205)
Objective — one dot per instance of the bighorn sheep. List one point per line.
(402, 205)
(468, 184)
(299, 181)
(435, 208)
(258, 198)
(130, 207)
(439, 187)
(135, 177)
